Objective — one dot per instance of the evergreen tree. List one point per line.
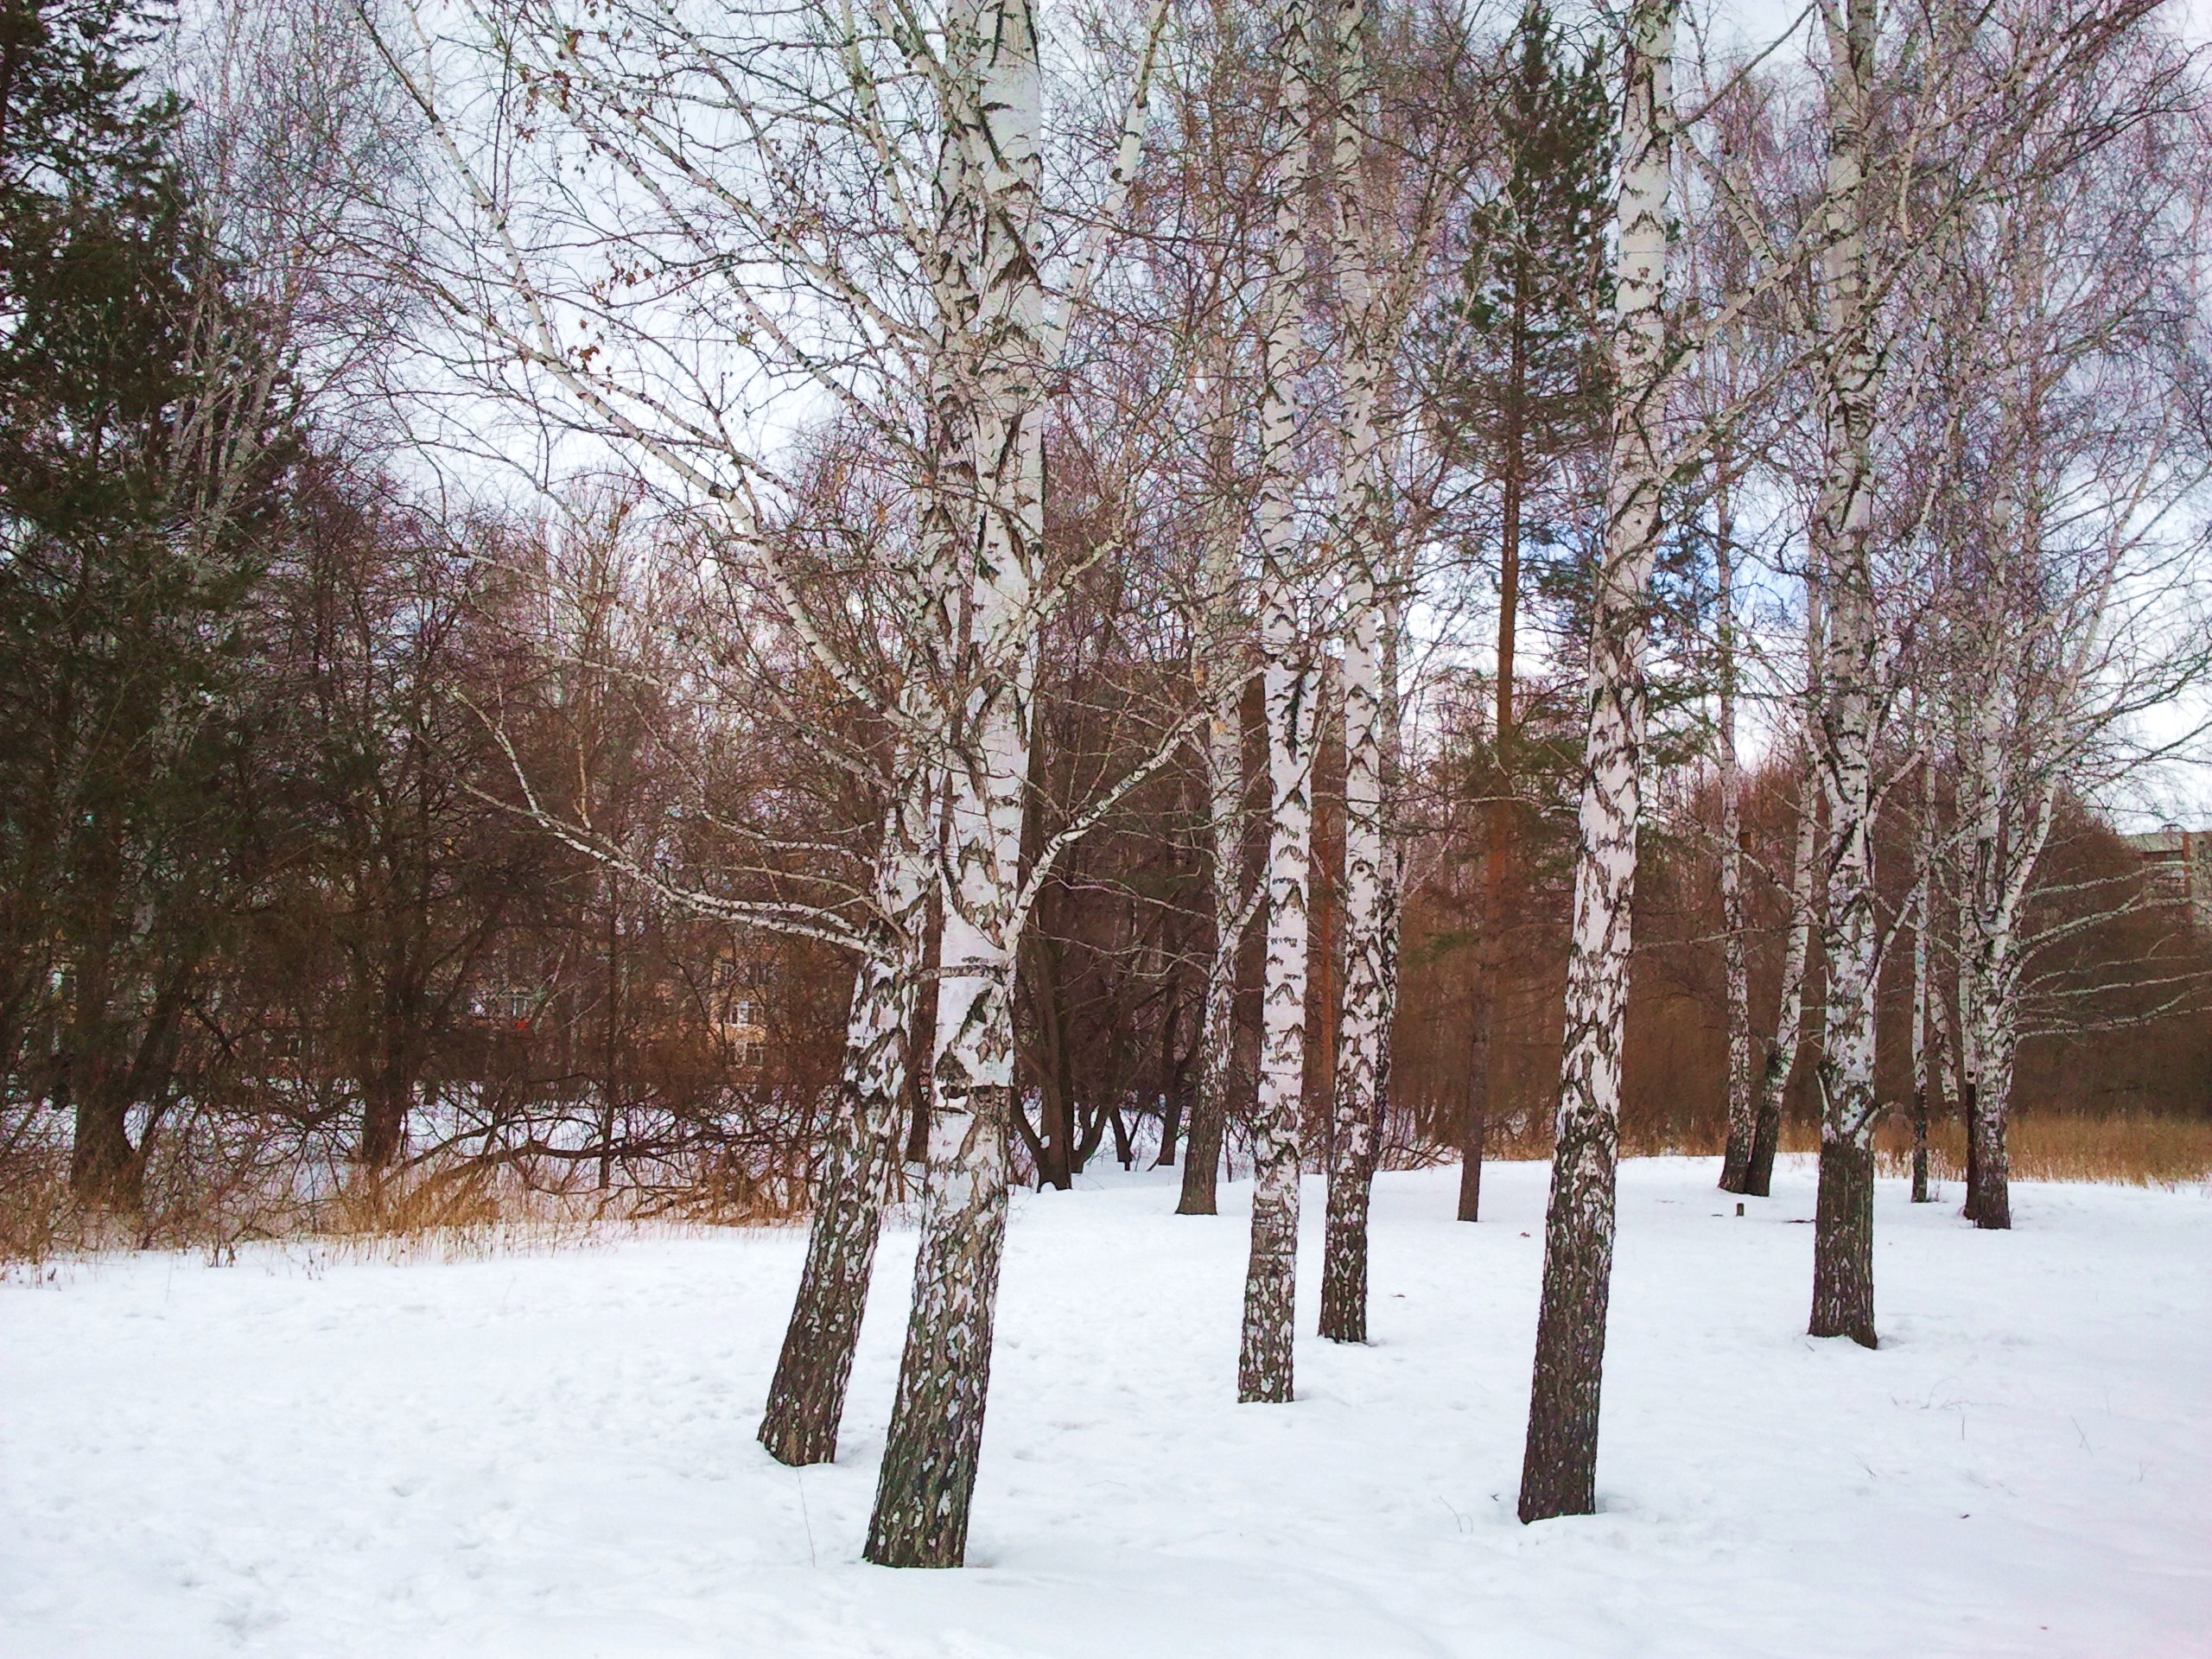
(1524, 391)
(128, 554)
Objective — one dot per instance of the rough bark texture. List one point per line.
(806, 1398)
(1843, 1232)
(1743, 1105)
(1263, 1365)
(928, 1477)
(1474, 1122)
(1843, 1300)
(1559, 1467)
(1922, 922)
(930, 1456)
(1797, 955)
(1217, 1036)
(1369, 992)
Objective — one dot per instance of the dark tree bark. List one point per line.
(1843, 1243)
(1558, 1469)
(928, 1476)
(1967, 1093)
(1474, 1130)
(1766, 1133)
(1920, 1144)
(806, 1400)
(1202, 1153)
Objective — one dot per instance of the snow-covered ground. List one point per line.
(551, 1455)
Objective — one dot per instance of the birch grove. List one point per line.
(744, 612)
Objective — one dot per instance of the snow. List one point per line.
(551, 1454)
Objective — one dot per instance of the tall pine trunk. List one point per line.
(1559, 1467)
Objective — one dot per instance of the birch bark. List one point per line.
(1804, 916)
(806, 1398)
(1264, 1359)
(1843, 1232)
(1363, 1035)
(1742, 1109)
(1559, 1468)
(1225, 773)
(928, 1474)
(1923, 916)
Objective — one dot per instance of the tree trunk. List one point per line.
(928, 1476)
(1289, 684)
(104, 1168)
(1843, 1299)
(1474, 1130)
(389, 1097)
(1992, 1206)
(806, 1398)
(1922, 919)
(1225, 775)
(1742, 1104)
(1796, 961)
(1843, 1242)
(1370, 705)
(1486, 1061)
(1559, 1467)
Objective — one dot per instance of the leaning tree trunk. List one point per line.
(806, 1399)
(1370, 993)
(1797, 955)
(928, 1476)
(1264, 1358)
(1225, 760)
(1843, 1229)
(1559, 1468)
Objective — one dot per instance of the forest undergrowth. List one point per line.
(456, 1208)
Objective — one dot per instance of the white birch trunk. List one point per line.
(1264, 1360)
(1843, 1258)
(1559, 1468)
(806, 1399)
(1923, 913)
(1742, 1106)
(929, 1459)
(1224, 772)
(1363, 1034)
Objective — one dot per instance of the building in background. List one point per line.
(2178, 862)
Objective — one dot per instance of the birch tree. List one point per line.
(1290, 680)
(2068, 572)
(1383, 230)
(1559, 1468)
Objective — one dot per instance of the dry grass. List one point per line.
(451, 1209)
(2130, 1150)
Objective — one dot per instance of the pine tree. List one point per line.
(1527, 387)
(123, 588)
